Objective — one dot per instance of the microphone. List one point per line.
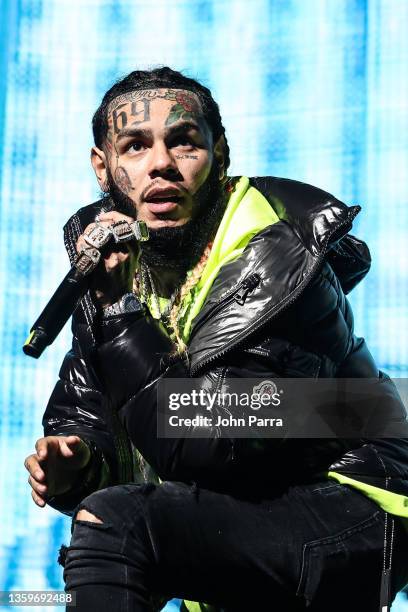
(75, 284)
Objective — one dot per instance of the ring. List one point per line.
(121, 231)
(98, 236)
(87, 260)
(140, 230)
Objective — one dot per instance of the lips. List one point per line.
(162, 194)
(163, 200)
(161, 207)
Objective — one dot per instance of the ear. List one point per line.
(100, 163)
(219, 153)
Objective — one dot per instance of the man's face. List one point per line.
(159, 152)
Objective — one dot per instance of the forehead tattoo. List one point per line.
(186, 107)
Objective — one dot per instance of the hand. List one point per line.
(54, 467)
(113, 277)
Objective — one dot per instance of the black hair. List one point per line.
(163, 77)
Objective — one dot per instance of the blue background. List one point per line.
(315, 90)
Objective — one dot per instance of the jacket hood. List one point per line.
(277, 266)
(311, 212)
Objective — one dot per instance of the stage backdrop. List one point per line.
(314, 90)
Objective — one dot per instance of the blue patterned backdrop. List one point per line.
(315, 90)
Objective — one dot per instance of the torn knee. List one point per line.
(84, 515)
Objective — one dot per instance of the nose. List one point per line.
(163, 162)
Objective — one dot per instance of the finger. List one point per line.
(32, 465)
(40, 489)
(41, 446)
(114, 260)
(65, 450)
(70, 445)
(89, 228)
(114, 216)
(37, 499)
(81, 242)
(122, 256)
(82, 452)
(72, 440)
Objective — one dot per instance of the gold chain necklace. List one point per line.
(147, 280)
(147, 287)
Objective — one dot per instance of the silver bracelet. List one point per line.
(127, 303)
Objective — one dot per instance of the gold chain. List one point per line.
(144, 286)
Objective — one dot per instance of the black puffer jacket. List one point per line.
(291, 319)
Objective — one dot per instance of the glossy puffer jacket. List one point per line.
(279, 310)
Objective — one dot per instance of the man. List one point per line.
(241, 278)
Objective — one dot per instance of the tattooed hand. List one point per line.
(113, 277)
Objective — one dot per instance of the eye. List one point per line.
(182, 141)
(137, 146)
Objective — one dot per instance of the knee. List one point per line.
(97, 516)
(94, 508)
(114, 505)
(84, 515)
(111, 520)
(98, 510)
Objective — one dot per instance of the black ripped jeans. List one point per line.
(318, 544)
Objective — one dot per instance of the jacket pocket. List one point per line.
(288, 360)
(330, 563)
(301, 363)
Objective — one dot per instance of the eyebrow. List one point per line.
(183, 126)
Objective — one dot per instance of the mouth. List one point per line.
(163, 205)
(163, 200)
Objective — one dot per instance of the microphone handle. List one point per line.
(56, 313)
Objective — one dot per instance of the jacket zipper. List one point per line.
(295, 295)
(246, 287)
(238, 294)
